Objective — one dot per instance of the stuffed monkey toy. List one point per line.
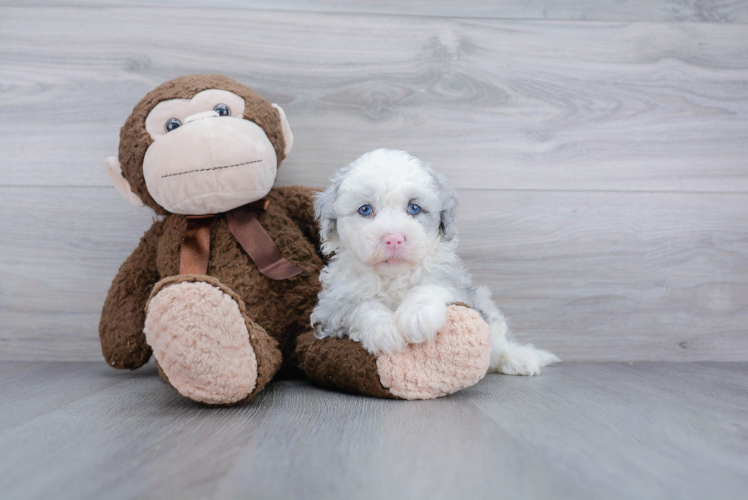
(221, 287)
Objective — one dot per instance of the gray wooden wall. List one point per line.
(599, 148)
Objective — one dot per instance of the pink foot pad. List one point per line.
(457, 359)
(200, 340)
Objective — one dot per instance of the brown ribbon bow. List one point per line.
(247, 230)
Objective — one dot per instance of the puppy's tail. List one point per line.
(508, 356)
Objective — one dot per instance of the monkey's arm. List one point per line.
(340, 363)
(121, 328)
(299, 204)
(457, 358)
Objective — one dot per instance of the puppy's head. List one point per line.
(389, 208)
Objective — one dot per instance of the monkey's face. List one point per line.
(200, 144)
(205, 157)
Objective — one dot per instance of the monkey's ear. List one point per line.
(287, 134)
(115, 172)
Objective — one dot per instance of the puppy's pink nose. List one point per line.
(393, 241)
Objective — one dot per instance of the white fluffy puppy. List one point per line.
(387, 221)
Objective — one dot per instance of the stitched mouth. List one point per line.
(212, 168)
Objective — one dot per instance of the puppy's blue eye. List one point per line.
(365, 210)
(414, 209)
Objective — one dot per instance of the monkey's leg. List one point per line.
(456, 359)
(205, 344)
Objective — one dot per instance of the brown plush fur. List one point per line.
(340, 363)
(122, 320)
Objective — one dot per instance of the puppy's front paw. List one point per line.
(419, 320)
(519, 359)
(383, 337)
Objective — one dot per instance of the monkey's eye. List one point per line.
(222, 110)
(414, 209)
(365, 210)
(172, 124)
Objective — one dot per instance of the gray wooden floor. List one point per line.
(614, 430)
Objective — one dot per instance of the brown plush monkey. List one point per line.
(220, 289)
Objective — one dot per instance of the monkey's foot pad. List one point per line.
(201, 342)
(457, 359)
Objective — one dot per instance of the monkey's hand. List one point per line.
(121, 327)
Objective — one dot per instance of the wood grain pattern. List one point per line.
(602, 164)
(628, 431)
(497, 104)
(591, 276)
(715, 11)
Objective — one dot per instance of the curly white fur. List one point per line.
(385, 292)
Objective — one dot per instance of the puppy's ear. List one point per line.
(324, 211)
(448, 211)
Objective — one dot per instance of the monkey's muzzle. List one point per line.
(210, 164)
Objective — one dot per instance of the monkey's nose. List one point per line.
(200, 116)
